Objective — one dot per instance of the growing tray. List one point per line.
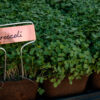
(89, 95)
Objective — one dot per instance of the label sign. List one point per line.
(17, 34)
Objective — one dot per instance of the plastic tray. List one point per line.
(90, 95)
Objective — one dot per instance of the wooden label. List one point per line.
(17, 34)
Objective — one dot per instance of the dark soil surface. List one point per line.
(65, 88)
(18, 90)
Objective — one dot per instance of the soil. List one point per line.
(18, 90)
(96, 81)
(65, 89)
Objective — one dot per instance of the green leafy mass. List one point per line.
(68, 38)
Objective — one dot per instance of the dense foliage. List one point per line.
(68, 38)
